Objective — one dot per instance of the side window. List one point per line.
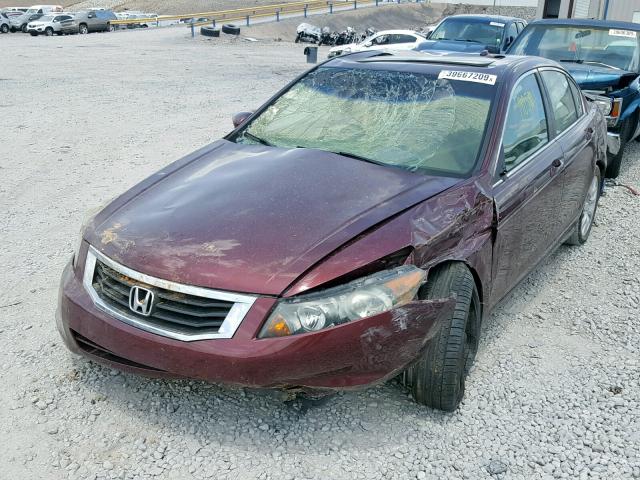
(578, 97)
(399, 38)
(512, 31)
(381, 40)
(526, 123)
(561, 98)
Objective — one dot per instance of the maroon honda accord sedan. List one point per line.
(357, 227)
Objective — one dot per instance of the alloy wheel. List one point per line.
(589, 207)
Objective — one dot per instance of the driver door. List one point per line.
(528, 193)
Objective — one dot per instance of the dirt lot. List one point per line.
(554, 394)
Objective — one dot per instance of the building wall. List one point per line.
(618, 9)
(623, 9)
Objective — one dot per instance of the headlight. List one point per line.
(611, 108)
(359, 299)
(87, 217)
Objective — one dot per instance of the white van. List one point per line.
(45, 9)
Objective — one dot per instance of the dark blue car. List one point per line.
(474, 33)
(604, 58)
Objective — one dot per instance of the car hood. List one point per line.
(252, 218)
(451, 46)
(592, 77)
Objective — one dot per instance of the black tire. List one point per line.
(83, 29)
(437, 379)
(209, 31)
(230, 29)
(582, 230)
(48, 32)
(24, 28)
(4, 28)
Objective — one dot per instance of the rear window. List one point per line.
(485, 33)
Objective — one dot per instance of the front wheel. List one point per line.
(437, 379)
(83, 29)
(589, 207)
(48, 32)
(4, 28)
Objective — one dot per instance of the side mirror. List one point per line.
(239, 118)
(368, 44)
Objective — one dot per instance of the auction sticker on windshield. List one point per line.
(622, 33)
(468, 76)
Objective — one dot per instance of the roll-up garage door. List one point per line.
(581, 9)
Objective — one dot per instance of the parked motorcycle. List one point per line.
(308, 33)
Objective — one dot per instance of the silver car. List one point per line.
(49, 24)
(5, 23)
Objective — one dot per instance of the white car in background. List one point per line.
(386, 39)
(5, 23)
(50, 24)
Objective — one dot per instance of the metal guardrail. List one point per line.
(246, 14)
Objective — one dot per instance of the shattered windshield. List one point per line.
(405, 119)
(605, 47)
(489, 33)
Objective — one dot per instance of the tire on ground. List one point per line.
(230, 29)
(577, 238)
(437, 379)
(210, 31)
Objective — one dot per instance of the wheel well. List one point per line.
(474, 273)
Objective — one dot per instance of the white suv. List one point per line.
(49, 24)
(5, 23)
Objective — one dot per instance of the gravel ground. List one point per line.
(554, 393)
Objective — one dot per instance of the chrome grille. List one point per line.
(179, 311)
(172, 310)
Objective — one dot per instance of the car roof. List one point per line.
(485, 18)
(396, 32)
(586, 22)
(419, 62)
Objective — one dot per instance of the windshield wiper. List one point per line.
(256, 138)
(359, 157)
(466, 40)
(600, 63)
(588, 62)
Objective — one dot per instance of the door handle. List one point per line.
(557, 163)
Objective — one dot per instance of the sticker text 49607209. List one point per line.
(476, 77)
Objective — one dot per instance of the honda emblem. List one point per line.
(141, 300)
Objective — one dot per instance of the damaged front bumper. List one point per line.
(350, 355)
(613, 143)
